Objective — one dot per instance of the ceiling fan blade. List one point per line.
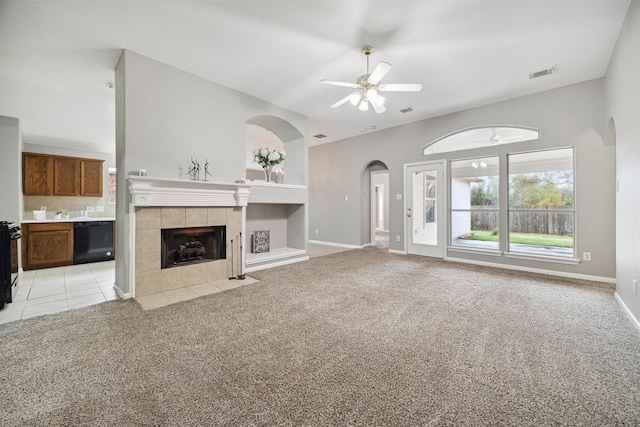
(334, 83)
(509, 138)
(401, 87)
(342, 101)
(379, 72)
(378, 107)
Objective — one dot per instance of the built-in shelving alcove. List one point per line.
(279, 206)
(284, 222)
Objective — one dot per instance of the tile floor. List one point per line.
(150, 302)
(58, 289)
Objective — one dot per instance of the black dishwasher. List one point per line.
(92, 241)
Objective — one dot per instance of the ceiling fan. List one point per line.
(496, 137)
(368, 85)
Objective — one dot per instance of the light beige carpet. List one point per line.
(361, 338)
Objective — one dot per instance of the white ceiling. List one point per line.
(57, 55)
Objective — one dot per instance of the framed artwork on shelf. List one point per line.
(260, 241)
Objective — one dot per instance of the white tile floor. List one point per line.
(58, 289)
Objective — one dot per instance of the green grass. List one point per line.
(524, 238)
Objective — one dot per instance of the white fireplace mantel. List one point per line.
(155, 191)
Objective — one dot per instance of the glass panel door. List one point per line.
(425, 209)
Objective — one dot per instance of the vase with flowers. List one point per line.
(268, 157)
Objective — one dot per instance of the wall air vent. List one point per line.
(406, 110)
(319, 136)
(543, 73)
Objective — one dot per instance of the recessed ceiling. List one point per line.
(57, 55)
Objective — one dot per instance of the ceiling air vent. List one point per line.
(406, 110)
(543, 73)
(319, 136)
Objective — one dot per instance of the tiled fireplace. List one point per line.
(197, 204)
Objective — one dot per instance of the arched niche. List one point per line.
(272, 131)
(480, 136)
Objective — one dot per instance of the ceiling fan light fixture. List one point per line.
(368, 87)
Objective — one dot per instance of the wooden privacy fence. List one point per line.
(530, 221)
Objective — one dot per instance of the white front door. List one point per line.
(424, 209)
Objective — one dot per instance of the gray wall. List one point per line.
(622, 89)
(570, 116)
(165, 116)
(10, 169)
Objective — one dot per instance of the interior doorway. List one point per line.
(380, 208)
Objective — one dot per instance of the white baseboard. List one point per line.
(536, 270)
(121, 294)
(339, 245)
(395, 251)
(275, 264)
(628, 312)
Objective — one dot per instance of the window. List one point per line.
(111, 183)
(541, 202)
(429, 197)
(475, 213)
(479, 137)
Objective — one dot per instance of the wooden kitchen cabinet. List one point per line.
(47, 245)
(66, 176)
(37, 172)
(91, 178)
(49, 175)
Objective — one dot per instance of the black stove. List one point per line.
(9, 235)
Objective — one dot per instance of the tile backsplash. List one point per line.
(71, 205)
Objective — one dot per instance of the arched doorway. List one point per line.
(375, 208)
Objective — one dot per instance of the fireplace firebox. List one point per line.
(184, 246)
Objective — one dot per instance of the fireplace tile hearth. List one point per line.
(163, 299)
(151, 278)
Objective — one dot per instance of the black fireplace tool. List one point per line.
(232, 276)
(241, 276)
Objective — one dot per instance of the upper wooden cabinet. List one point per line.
(66, 176)
(91, 178)
(49, 175)
(37, 174)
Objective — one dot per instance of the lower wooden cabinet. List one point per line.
(47, 245)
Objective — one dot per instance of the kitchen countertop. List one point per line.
(74, 219)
